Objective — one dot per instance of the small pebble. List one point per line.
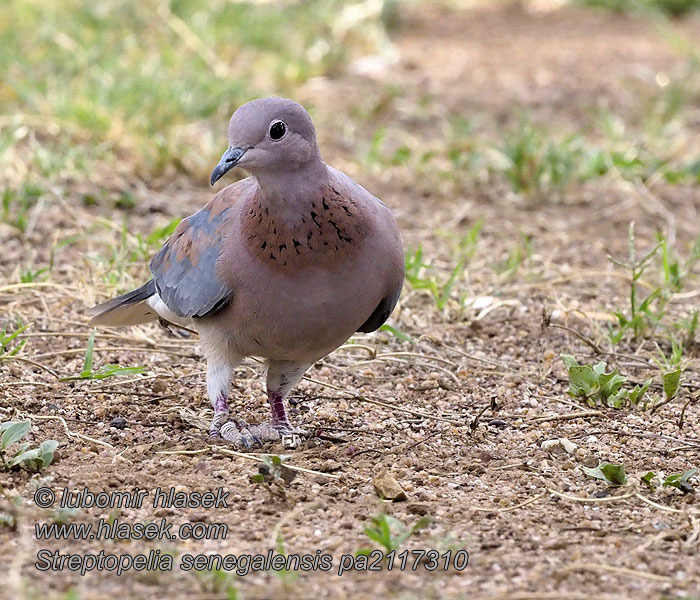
(118, 423)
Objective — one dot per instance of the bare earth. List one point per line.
(486, 383)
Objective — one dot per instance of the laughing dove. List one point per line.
(285, 265)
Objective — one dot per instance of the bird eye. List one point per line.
(277, 130)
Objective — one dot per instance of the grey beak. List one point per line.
(230, 159)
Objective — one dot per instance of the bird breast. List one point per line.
(325, 229)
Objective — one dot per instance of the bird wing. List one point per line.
(185, 268)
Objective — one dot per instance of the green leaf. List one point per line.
(672, 382)
(688, 474)
(22, 448)
(422, 523)
(610, 383)
(14, 432)
(569, 360)
(396, 333)
(599, 369)
(115, 371)
(159, 235)
(87, 365)
(618, 400)
(612, 474)
(26, 457)
(647, 479)
(680, 480)
(637, 393)
(47, 449)
(583, 381)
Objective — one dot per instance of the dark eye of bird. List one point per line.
(277, 130)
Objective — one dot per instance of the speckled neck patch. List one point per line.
(320, 231)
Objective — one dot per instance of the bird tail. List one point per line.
(131, 308)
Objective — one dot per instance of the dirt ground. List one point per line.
(485, 384)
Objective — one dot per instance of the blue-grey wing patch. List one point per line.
(184, 270)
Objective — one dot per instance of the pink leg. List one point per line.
(282, 376)
(222, 426)
(279, 420)
(221, 415)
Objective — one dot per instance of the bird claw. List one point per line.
(240, 433)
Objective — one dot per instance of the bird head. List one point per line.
(269, 134)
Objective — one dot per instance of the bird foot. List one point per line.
(242, 434)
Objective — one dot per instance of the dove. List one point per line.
(285, 265)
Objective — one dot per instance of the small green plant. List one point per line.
(418, 271)
(31, 459)
(145, 246)
(520, 254)
(397, 333)
(390, 533)
(675, 273)
(7, 348)
(218, 582)
(9, 518)
(418, 279)
(598, 388)
(672, 368)
(16, 205)
(65, 514)
(680, 481)
(287, 576)
(645, 313)
(104, 372)
(533, 162)
(28, 275)
(613, 475)
(689, 327)
(274, 475)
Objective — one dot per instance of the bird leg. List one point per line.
(235, 431)
(221, 415)
(282, 376)
(279, 420)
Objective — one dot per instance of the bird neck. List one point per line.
(288, 187)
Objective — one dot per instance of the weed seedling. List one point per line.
(102, 373)
(521, 254)
(689, 327)
(390, 533)
(419, 276)
(7, 348)
(613, 475)
(274, 475)
(599, 388)
(644, 313)
(17, 204)
(31, 459)
(680, 481)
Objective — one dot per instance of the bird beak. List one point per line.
(230, 159)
